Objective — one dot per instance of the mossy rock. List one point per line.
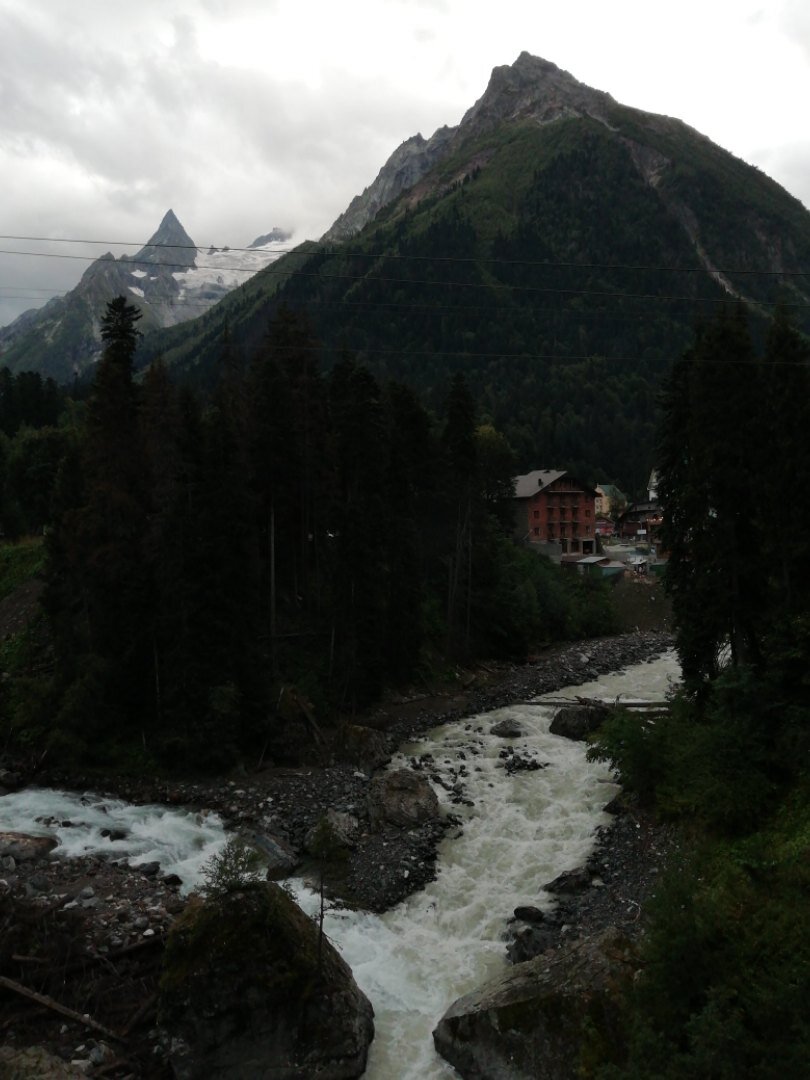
(250, 988)
(551, 1018)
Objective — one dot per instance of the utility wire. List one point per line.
(396, 256)
(269, 270)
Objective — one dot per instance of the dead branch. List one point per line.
(139, 1013)
(41, 999)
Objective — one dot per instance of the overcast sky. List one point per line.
(242, 115)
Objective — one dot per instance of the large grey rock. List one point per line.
(25, 848)
(401, 798)
(507, 729)
(541, 1019)
(578, 721)
(334, 831)
(570, 881)
(279, 857)
(250, 990)
(365, 747)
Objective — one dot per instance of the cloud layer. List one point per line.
(251, 113)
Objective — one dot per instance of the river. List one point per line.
(517, 831)
(523, 829)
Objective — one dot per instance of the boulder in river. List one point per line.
(507, 729)
(578, 721)
(25, 848)
(250, 988)
(570, 881)
(543, 1019)
(403, 799)
(280, 858)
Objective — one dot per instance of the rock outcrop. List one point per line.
(543, 1019)
(530, 89)
(403, 799)
(251, 989)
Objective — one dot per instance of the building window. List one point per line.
(536, 513)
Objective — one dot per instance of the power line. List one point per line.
(401, 257)
(269, 270)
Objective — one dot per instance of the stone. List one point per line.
(335, 830)
(365, 747)
(532, 1022)
(280, 858)
(25, 848)
(507, 729)
(527, 913)
(401, 798)
(530, 942)
(570, 881)
(250, 988)
(578, 721)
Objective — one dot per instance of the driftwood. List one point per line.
(597, 703)
(49, 1003)
(139, 1013)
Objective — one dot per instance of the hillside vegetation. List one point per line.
(561, 267)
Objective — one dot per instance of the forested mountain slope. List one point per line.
(556, 247)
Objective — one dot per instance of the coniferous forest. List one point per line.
(218, 572)
(227, 577)
(725, 966)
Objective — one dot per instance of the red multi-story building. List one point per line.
(553, 507)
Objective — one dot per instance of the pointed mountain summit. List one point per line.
(557, 247)
(167, 279)
(171, 244)
(530, 89)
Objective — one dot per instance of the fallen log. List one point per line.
(63, 1010)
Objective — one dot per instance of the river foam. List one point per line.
(523, 829)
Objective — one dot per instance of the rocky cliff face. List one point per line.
(529, 89)
(406, 166)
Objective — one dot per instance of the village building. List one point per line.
(553, 507)
(610, 501)
(641, 522)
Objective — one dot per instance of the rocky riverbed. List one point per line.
(115, 911)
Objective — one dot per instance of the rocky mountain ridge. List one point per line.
(170, 279)
(530, 89)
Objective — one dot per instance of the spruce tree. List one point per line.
(709, 465)
(100, 595)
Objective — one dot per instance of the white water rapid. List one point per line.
(522, 831)
(181, 841)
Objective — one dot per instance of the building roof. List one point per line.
(530, 483)
(611, 491)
